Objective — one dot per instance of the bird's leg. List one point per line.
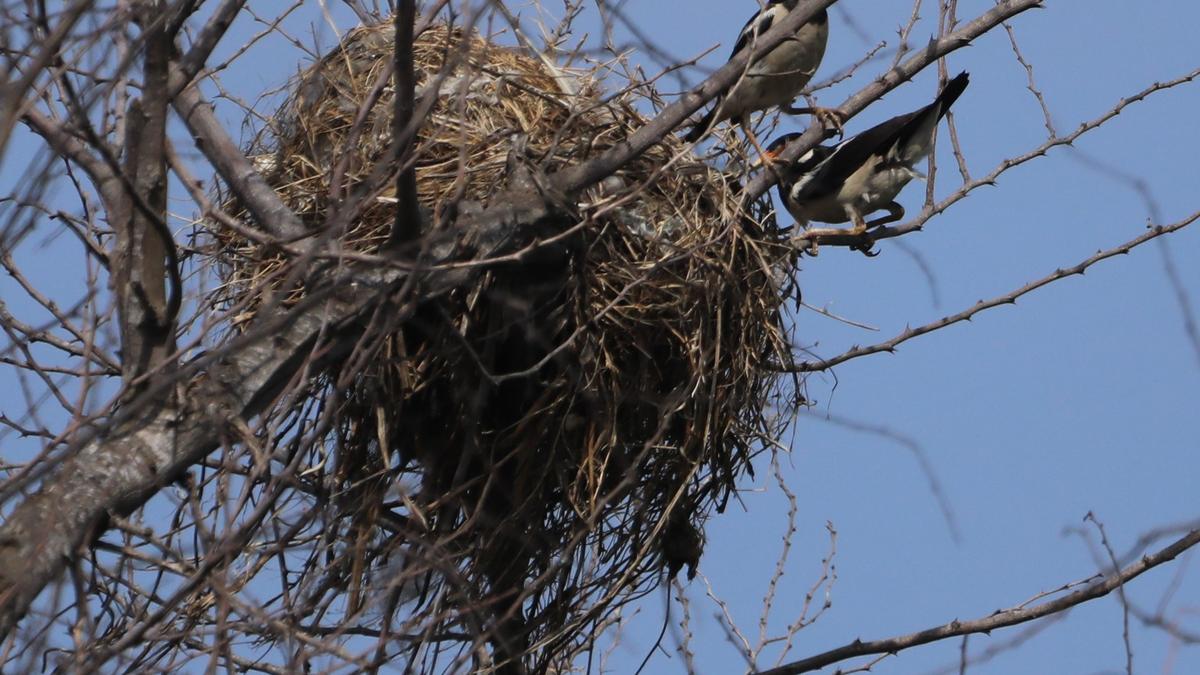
(860, 230)
(829, 117)
(895, 212)
(765, 158)
(860, 225)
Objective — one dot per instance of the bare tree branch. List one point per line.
(13, 92)
(408, 217)
(206, 41)
(1007, 299)
(270, 213)
(1000, 619)
(145, 249)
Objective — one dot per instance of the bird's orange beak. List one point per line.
(770, 156)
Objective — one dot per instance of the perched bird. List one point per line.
(777, 77)
(862, 174)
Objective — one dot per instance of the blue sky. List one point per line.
(1081, 398)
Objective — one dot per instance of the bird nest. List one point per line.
(554, 436)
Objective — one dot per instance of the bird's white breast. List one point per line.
(872, 189)
(865, 191)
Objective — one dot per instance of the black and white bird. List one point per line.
(865, 173)
(777, 77)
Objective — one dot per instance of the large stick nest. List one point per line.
(555, 435)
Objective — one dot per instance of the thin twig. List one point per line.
(1006, 299)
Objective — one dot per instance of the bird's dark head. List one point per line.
(776, 146)
(806, 162)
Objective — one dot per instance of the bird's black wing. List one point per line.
(851, 154)
(848, 156)
(758, 24)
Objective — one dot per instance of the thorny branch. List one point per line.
(1153, 232)
(999, 619)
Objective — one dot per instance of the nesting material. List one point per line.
(565, 426)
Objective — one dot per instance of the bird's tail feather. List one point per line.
(950, 93)
(915, 137)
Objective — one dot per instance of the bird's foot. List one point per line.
(864, 245)
(831, 119)
(766, 159)
(855, 238)
(863, 242)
